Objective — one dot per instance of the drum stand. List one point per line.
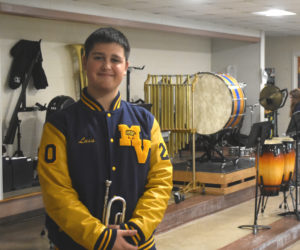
(285, 188)
(258, 134)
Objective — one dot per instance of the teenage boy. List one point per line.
(100, 138)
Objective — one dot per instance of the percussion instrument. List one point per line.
(219, 103)
(289, 157)
(234, 151)
(240, 151)
(58, 103)
(272, 98)
(172, 98)
(271, 167)
(246, 152)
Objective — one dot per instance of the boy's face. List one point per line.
(105, 66)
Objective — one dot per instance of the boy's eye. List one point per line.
(99, 57)
(116, 60)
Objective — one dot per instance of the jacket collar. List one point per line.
(92, 104)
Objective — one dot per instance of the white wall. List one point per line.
(160, 52)
(279, 55)
(245, 59)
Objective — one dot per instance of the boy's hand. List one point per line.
(121, 243)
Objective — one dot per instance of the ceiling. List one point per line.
(233, 13)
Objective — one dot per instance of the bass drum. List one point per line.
(58, 103)
(219, 103)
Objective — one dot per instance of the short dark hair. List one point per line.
(107, 35)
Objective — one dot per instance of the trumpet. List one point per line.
(120, 216)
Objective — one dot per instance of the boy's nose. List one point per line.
(106, 64)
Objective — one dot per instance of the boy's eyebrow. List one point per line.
(97, 53)
(101, 53)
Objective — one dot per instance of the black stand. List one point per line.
(259, 132)
(128, 80)
(294, 131)
(211, 146)
(19, 151)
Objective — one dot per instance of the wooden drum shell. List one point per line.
(289, 154)
(271, 168)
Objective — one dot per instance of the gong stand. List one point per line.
(259, 132)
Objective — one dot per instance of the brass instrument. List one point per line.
(82, 79)
(120, 216)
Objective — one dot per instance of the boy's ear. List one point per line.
(126, 67)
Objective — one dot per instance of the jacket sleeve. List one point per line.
(61, 200)
(153, 203)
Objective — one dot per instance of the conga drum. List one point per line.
(219, 103)
(289, 154)
(271, 167)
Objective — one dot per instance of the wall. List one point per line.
(279, 55)
(160, 52)
(243, 60)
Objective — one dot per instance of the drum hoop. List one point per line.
(238, 97)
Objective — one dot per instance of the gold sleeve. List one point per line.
(152, 205)
(60, 199)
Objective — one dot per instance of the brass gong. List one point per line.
(272, 98)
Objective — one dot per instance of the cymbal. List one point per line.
(270, 97)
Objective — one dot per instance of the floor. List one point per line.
(220, 229)
(210, 232)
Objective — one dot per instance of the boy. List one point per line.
(103, 138)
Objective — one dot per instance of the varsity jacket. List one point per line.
(83, 146)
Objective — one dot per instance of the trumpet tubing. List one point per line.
(171, 98)
(120, 216)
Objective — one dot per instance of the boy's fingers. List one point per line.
(128, 232)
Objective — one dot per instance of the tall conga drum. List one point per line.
(289, 154)
(271, 167)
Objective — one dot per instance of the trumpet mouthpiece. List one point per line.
(108, 183)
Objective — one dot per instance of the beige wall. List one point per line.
(160, 52)
(244, 58)
(279, 55)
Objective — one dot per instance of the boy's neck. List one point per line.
(105, 99)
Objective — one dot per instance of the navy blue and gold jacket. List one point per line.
(83, 146)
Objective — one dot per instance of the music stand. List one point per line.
(293, 130)
(259, 132)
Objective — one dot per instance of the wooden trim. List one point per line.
(21, 204)
(20, 197)
(21, 10)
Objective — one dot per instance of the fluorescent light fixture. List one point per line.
(274, 12)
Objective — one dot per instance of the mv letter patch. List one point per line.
(130, 136)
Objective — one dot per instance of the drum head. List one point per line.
(212, 104)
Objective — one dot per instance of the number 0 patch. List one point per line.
(163, 154)
(50, 153)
